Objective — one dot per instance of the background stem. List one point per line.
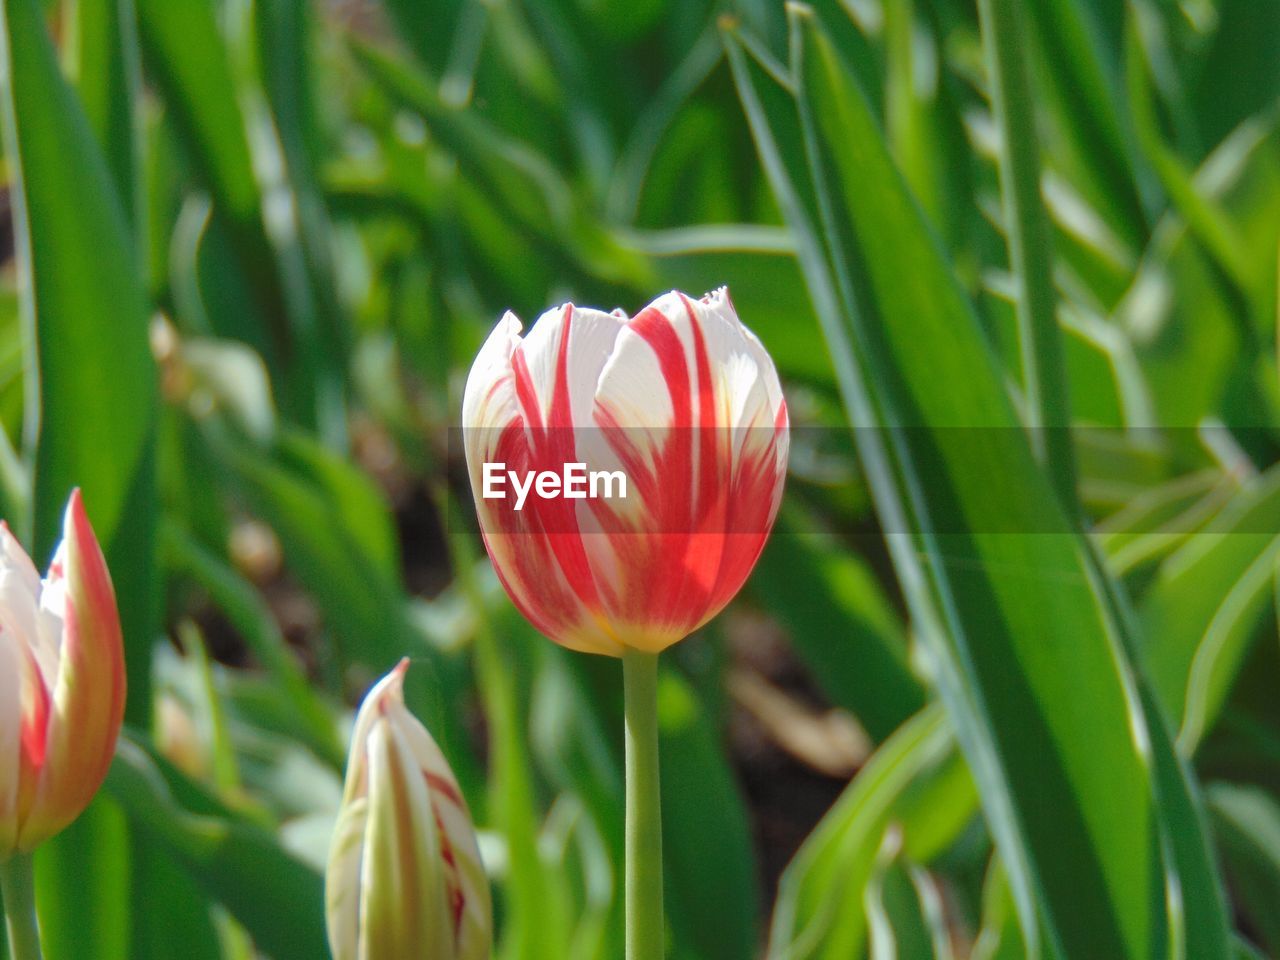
(17, 882)
(645, 929)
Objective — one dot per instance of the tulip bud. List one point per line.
(62, 683)
(405, 879)
(683, 403)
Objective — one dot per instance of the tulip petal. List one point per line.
(719, 305)
(89, 689)
(342, 880)
(542, 564)
(495, 432)
(20, 592)
(489, 400)
(13, 557)
(10, 723)
(469, 895)
(558, 364)
(405, 911)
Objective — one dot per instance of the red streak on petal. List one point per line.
(550, 447)
(525, 392)
(559, 449)
(538, 552)
(457, 899)
(707, 516)
(35, 715)
(685, 549)
(91, 628)
(715, 452)
(442, 786)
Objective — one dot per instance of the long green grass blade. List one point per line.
(91, 403)
(1044, 373)
(994, 605)
(107, 66)
(1081, 76)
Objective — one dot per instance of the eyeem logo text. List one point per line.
(575, 482)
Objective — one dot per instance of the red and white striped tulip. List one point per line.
(62, 683)
(405, 880)
(685, 401)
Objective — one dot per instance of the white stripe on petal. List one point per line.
(21, 620)
(342, 881)
(592, 335)
(633, 391)
(13, 557)
(748, 408)
(489, 400)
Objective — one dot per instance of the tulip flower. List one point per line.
(678, 414)
(684, 403)
(62, 691)
(62, 683)
(405, 879)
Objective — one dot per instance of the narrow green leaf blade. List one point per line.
(819, 912)
(1033, 665)
(92, 411)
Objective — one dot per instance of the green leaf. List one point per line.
(1197, 339)
(337, 536)
(1081, 78)
(999, 937)
(904, 906)
(1031, 662)
(1048, 410)
(1198, 918)
(427, 30)
(107, 66)
(278, 899)
(285, 40)
(1198, 208)
(840, 624)
(88, 920)
(1160, 519)
(1243, 950)
(1247, 821)
(712, 886)
(819, 913)
(209, 90)
(1236, 78)
(1202, 612)
(529, 189)
(91, 406)
(187, 58)
(177, 910)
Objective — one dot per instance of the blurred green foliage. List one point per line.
(255, 244)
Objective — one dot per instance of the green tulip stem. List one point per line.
(17, 883)
(645, 929)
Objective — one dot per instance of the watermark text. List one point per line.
(575, 482)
